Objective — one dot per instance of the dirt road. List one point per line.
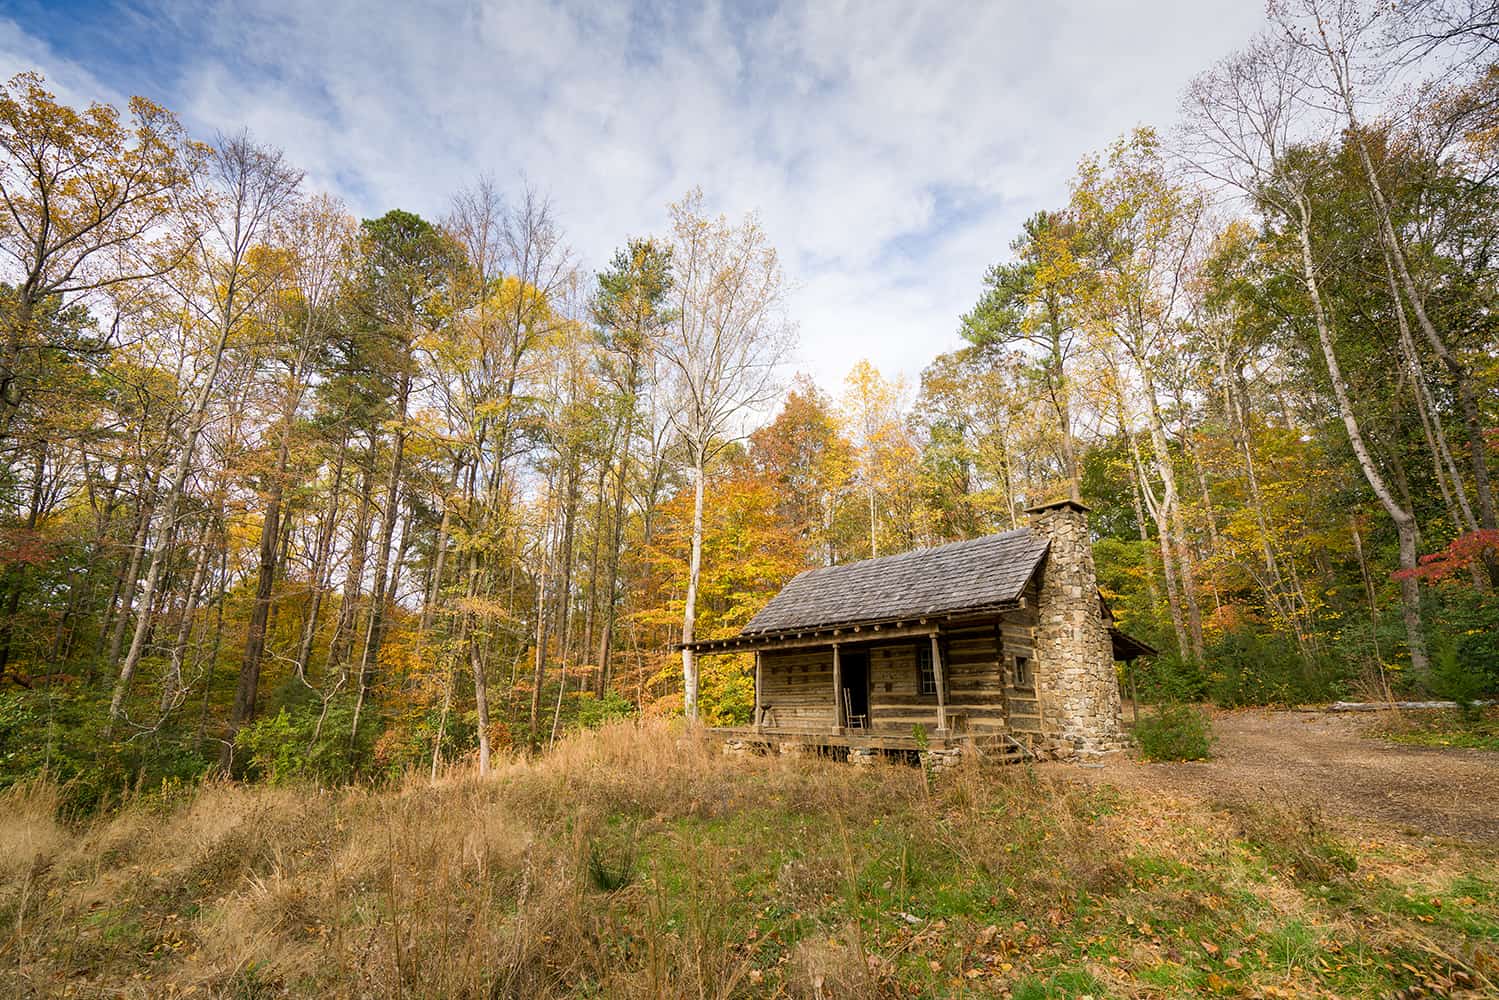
(1293, 757)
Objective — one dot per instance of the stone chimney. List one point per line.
(1076, 683)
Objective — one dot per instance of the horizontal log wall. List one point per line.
(975, 689)
(798, 689)
(1018, 629)
(893, 699)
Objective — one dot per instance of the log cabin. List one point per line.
(996, 644)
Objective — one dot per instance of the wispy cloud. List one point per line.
(892, 149)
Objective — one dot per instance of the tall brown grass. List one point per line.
(631, 862)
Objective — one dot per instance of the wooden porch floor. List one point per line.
(855, 739)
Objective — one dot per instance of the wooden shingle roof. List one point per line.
(945, 579)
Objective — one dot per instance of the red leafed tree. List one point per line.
(1459, 554)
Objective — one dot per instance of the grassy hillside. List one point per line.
(637, 862)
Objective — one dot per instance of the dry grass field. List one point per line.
(639, 862)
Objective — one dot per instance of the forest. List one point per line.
(288, 494)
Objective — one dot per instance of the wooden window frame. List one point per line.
(1022, 679)
(929, 672)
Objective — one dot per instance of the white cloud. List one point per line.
(892, 149)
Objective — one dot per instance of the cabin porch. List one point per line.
(858, 739)
(894, 686)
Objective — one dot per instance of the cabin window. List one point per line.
(1022, 672)
(926, 677)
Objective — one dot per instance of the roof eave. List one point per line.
(861, 630)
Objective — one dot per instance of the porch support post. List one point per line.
(759, 724)
(837, 690)
(941, 685)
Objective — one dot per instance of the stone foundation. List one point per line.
(864, 757)
(1067, 752)
(937, 761)
(737, 748)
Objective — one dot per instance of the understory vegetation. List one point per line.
(1174, 732)
(640, 862)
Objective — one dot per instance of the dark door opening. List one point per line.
(855, 667)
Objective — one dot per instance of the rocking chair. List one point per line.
(860, 721)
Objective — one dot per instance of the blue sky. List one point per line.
(892, 149)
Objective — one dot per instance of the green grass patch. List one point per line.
(1474, 729)
(1485, 736)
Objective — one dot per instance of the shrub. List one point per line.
(1454, 680)
(1169, 678)
(1470, 620)
(595, 712)
(610, 874)
(1175, 732)
(55, 730)
(408, 743)
(295, 745)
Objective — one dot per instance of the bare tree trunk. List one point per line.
(600, 502)
(1251, 475)
(218, 625)
(1170, 521)
(1405, 522)
(1449, 480)
(1168, 559)
(617, 524)
(393, 589)
(103, 520)
(538, 677)
(374, 633)
(131, 580)
(246, 691)
(1368, 578)
(342, 641)
(694, 572)
(320, 570)
(468, 636)
(1139, 507)
(481, 700)
(1210, 515)
(1063, 403)
(569, 517)
(172, 688)
(538, 674)
(439, 555)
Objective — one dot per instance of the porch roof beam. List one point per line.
(853, 632)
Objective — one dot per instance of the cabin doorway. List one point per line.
(855, 668)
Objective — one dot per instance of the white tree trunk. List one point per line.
(689, 609)
(1405, 522)
(1170, 522)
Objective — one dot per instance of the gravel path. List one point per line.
(1300, 756)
